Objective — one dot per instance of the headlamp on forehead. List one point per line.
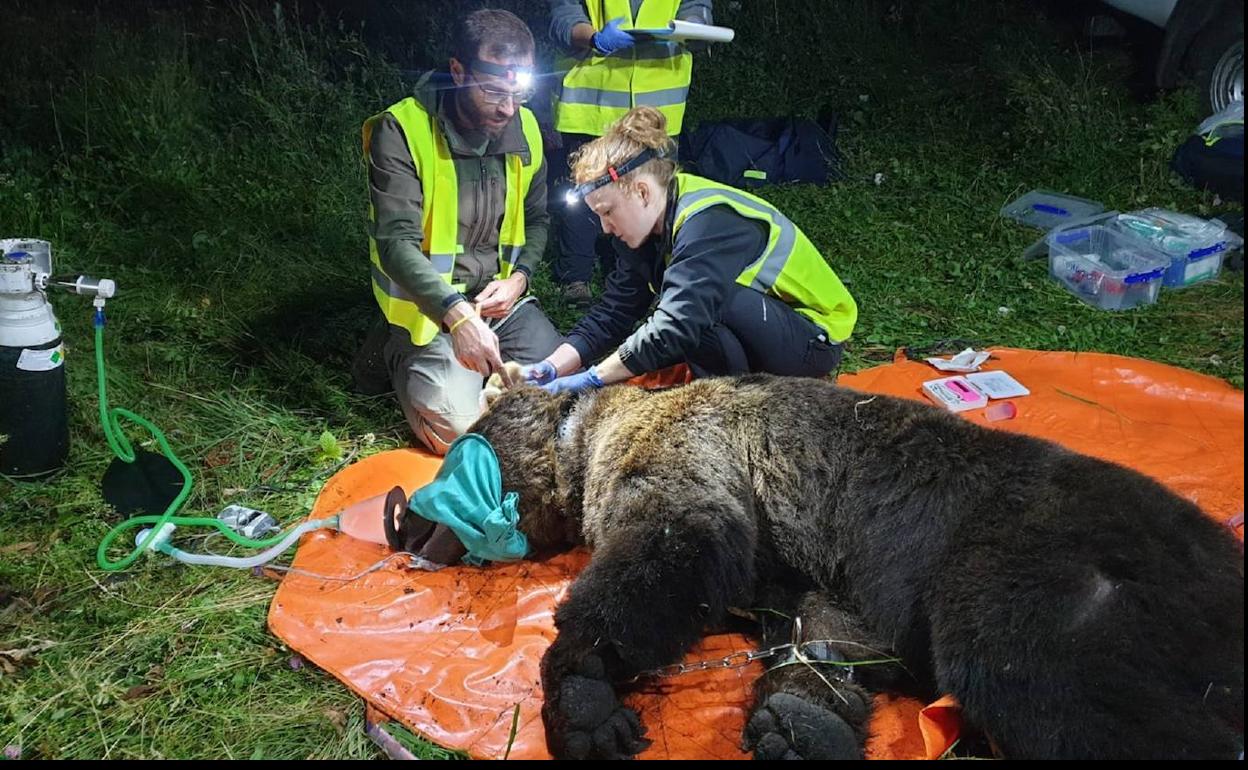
(578, 193)
(520, 77)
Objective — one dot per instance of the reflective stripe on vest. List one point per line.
(790, 267)
(440, 190)
(598, 90)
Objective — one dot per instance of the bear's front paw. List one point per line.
(787, 727)
(586, 720)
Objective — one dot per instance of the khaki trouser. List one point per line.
(439, 397)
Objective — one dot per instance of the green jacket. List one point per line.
(395, 192)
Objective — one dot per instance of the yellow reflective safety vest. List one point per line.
(790, 267)
(440, 189)
(598, 90)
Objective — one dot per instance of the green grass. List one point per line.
(208, 161)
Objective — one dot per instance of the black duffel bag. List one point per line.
(763, 151)
(1218, 167)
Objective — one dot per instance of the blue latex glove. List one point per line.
(540, 373)
(611, 38)
(575, 383)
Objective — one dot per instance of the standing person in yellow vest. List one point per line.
(739, 287)
(607, 73)
(457, 225)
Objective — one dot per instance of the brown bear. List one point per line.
(1075, 608)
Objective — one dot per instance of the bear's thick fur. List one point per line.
(1076, 609)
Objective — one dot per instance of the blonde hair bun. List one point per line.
(640, 128)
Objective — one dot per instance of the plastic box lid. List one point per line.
(1046, 209)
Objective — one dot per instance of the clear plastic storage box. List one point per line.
(1194, 247)
(1106, 268)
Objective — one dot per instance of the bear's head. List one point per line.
(521, 424)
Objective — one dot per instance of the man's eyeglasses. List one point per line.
(522, 78)
(498, 95)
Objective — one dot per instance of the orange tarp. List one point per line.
(452, 654)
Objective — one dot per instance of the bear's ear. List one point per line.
(512, 374)
(492, 390)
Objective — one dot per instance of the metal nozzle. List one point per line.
(85, 284)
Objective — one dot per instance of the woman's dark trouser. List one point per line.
(759, 333)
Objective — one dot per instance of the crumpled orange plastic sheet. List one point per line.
(453, 654)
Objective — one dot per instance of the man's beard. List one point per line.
(475, 118)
